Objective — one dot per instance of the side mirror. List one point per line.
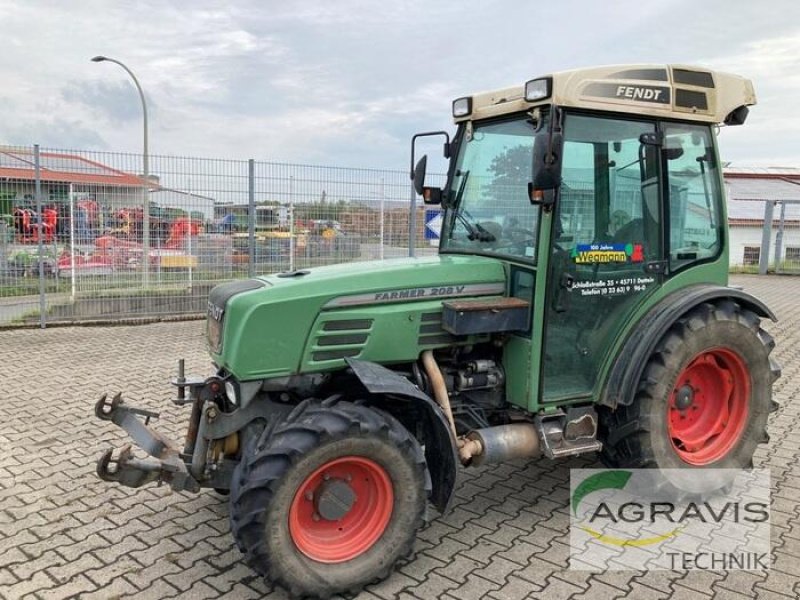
(446, 150)
(419, 174)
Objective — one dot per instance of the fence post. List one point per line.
(412, 224)
(40, 233)
(3, 245)
(291, 223)
(766, 234)
(779, 239)
(383, 216)
(189, 251)
(251, 217)
(73, 282)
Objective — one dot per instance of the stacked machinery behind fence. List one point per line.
(578, 304)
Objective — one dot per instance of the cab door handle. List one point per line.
(562, 295)
(656, 267)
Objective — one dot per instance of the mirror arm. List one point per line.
(428, 134)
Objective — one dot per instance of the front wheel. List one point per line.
(330, 500)
(703, 398)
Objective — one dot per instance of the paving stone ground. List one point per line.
(64, 533)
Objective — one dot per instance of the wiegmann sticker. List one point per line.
(584, 254)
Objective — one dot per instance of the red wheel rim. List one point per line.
(707, 409)
(341, 509)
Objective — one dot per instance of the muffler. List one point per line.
(500, 443)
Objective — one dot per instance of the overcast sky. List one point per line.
(348, 82)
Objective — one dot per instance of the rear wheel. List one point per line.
(703, 398)
(329, 500)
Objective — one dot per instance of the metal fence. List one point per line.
(83, 236)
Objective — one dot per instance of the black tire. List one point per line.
(280, 463)
(638, 436)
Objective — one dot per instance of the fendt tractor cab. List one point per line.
(578, 304)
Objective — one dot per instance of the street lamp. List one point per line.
(145, 174)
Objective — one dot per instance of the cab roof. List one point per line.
(667, 91)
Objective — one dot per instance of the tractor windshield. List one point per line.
(488, 196)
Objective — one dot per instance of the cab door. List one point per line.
(605, 255)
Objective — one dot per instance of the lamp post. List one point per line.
(145, 175)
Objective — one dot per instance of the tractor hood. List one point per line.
(259, 328)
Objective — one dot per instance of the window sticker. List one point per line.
(604, 253)
(614, 287)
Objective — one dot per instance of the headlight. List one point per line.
(462, 107)
(230, 391)
(538, 89)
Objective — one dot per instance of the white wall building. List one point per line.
(748, 190)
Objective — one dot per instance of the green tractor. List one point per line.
(579, 304)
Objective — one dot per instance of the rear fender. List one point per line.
(398, 396)
(630, 362)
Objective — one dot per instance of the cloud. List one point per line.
(50, 132)
(349, 82)
(773, 125)
(116, 101)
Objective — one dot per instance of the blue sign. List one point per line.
(433, 224)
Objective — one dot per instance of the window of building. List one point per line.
(792, 253)
(752, 254)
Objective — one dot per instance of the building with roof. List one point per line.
(98, 191)
(748, 192)
(59, 171)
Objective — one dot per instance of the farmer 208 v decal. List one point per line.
(578, 304)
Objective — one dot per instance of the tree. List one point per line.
(511, 173)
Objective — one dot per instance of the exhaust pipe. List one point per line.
(439, 389)
(500, 443)
(488, 445)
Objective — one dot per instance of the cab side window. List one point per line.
(610, 186)
(695, 196)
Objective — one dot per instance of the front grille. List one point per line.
(324, 355)
(342, 338)
(347, 325)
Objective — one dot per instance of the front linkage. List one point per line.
(210, 452)
(170, 465)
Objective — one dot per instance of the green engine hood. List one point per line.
(266, 330)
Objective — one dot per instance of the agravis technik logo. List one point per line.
(613, 480)
(669, 519)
